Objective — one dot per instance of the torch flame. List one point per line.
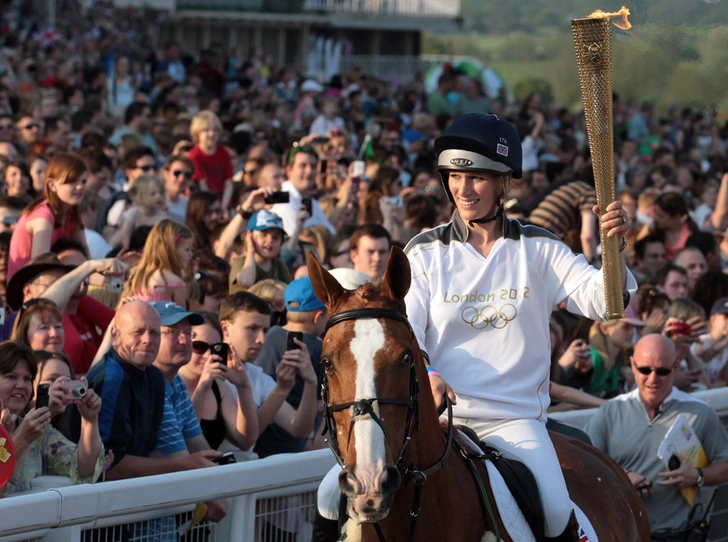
(624, 24)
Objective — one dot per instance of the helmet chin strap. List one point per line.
(499, 212)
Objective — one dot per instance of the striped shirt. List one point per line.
(561, 209)
(179, 421)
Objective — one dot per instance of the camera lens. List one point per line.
(79, 390)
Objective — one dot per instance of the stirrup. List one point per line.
(571, 533)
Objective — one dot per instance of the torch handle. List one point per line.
(593, 46)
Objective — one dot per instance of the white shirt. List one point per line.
(288, 211)
(97, 246)
(484, 322)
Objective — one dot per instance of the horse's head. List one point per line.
(371, 397)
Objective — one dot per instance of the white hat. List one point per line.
(309, 85)
(350, 278)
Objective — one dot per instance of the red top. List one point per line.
(84, 332)
(21, 242)
(215, 168)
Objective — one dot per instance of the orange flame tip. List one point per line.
(624, 24)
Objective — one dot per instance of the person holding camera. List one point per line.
(306, 321)
(212, 364)
(301, 172)
(41, 449)
(245, 320)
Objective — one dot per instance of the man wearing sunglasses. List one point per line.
(631, 427)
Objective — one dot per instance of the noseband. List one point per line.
(365, 407)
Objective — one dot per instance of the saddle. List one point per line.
(518, 478)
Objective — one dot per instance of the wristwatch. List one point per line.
(240, 211)
(701, 479)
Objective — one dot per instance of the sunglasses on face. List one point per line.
(6, 126)
(146, 168)
(647, 371)
(30, 127)
(200, 347)
(177, 173)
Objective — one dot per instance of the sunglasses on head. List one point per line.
(647, 371)
(200, 347)
(178, 172)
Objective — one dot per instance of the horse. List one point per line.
(400, 479)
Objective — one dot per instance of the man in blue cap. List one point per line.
(180, 434)
(307, 315)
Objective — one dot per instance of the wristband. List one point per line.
(432, 372)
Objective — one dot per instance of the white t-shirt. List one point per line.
(713, 367)
(97, 246)
(484, 322)
(288, 211)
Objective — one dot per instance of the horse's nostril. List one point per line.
(348, 482)
(389, 480)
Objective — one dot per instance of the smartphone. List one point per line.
(290, 345)
(308, 204)
(320, 140)
(2, 316)
(220, 349)
(116, 285)
(225, 459)
(358, 168)
(396, 201)
(279, 197)
(42, 400)
(323, 166)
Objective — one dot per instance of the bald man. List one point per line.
(631, 427)
(271, 176)
(132, 390)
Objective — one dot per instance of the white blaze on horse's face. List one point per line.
(370, 451)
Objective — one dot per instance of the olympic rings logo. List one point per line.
(489, 316)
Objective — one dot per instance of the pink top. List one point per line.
(159, 292)
(21, 242)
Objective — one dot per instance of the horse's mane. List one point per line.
(371, 293)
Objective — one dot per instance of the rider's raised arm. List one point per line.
(576, 282)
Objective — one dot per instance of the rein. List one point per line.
(365, 407)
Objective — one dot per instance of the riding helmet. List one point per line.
(479, 142)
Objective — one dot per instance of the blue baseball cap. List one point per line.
(172, 314)
(265, 220)
(299, 296)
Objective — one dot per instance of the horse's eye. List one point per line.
(328, 366)
(407, 359)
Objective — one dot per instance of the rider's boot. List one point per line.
(570, 534)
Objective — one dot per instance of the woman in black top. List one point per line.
(222, 415)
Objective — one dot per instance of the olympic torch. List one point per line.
(593, 46)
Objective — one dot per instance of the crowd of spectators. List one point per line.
(159, 201)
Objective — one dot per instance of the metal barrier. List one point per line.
(267, 499)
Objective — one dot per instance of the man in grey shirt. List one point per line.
(630, 428)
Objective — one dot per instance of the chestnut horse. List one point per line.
(399, 477)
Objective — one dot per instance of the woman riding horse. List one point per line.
(483, 287)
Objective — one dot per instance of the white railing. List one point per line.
(410, 8)
(279, 490)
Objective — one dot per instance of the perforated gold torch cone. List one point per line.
(593, 45)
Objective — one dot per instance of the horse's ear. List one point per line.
(398, 276)
(325, 286)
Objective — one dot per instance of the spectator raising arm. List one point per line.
(63, 289)
(717, 217)
(298, 423)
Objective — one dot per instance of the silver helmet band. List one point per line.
(461, 160)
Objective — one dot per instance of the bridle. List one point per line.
(365, 407)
